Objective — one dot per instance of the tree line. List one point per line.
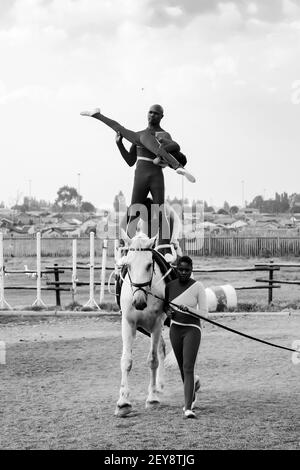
(69, 200)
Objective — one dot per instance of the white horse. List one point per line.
(140, 309)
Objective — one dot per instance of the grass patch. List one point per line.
(110, 307)
(275, 306)
(74, 306)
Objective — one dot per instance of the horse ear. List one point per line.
(125, 237)
(152, 241)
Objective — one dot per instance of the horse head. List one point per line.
(140, 265)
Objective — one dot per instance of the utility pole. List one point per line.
(78, 189)
(78, 183)
(243, 193)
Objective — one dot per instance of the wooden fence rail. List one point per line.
(242, 246)
(215, 246)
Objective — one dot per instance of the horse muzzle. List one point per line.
(140, 299)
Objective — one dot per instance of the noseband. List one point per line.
(141, 285)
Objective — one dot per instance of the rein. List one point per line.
(140, 286)
(195, 315)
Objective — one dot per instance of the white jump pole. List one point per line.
(38, 301)
(103, 270)
(3, 304)
(117, 257)
(116, 249)
(74, 269)
(92, 302)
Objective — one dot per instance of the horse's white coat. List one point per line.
(140, 267)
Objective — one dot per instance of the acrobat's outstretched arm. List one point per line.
(129, 157)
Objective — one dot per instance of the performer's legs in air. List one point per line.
(149, 141)
(131, 136)
(145, 138)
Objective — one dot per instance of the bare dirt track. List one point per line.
(60, 385)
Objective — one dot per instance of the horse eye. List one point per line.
(149, 266)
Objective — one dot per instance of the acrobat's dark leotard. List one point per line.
(148, 176)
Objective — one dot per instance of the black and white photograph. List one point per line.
(150, 228)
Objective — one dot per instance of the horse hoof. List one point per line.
(122, 411)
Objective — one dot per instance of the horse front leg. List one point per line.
(124, 407)
(153, 362)
(161, 364)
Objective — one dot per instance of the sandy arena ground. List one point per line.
(61, 381)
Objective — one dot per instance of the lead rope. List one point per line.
(196, 315)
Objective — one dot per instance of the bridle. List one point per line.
(140, 285)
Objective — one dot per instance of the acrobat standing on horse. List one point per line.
(152, 150)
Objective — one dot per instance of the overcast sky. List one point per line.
(224, 71)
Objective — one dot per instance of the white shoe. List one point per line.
(90, 113)
(189, 176)
(197, 389)
(193, 405)
(189, 414)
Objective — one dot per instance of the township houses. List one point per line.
(74, 224)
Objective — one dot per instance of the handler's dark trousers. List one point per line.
(185, 341)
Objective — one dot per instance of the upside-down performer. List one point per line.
(152, 149)
(153, 139)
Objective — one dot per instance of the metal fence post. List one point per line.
(270, 290)
(57, 290)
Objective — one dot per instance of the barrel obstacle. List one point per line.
(218, 297)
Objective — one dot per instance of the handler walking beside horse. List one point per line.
(185, 330)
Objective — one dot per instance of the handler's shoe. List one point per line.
(189, 176)
(189, 414)
(193, 405)
(90, 113)
(197, 389)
